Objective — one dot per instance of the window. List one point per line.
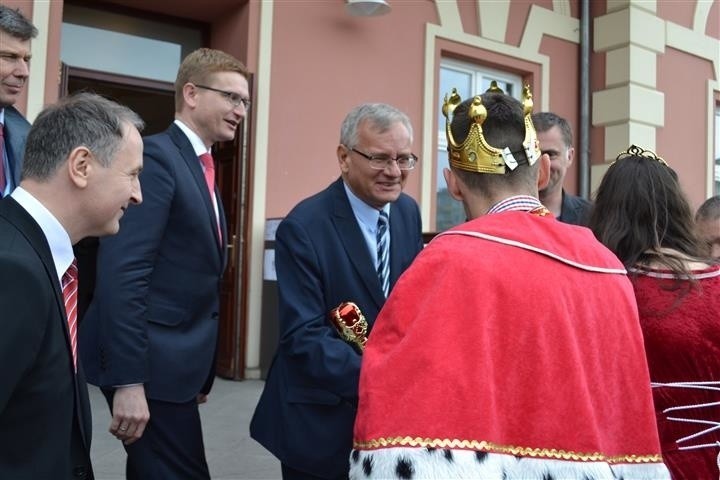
(468, 79)
(140, 47)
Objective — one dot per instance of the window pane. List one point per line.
(469, 79)
(451, 78)
(140, 47)
(506, 87)
(87, 47)
(449, 212)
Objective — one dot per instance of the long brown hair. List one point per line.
(640, 210)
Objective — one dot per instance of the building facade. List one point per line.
(621, 71)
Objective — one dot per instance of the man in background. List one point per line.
(348, 243)
(150, 333)
(81, 170)
(707, 222)
(15, 34)
(555, 136)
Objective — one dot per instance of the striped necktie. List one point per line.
(383, 253)
(70, 294)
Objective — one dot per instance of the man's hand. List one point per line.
(130, 413)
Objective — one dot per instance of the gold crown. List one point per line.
(475, 154)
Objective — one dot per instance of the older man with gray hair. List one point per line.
(348, 243)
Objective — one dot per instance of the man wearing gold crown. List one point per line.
(510, 349)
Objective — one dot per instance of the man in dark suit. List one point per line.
(555, 137)
(15, 34)
(82, 165)
(150, 332)
(331, 249)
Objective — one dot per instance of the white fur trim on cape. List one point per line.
(404, 463)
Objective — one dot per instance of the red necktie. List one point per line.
(209, 166)
(70, 293)
(2, 159)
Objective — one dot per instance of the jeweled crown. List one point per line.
(475, 154)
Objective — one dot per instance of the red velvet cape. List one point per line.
(496, 347)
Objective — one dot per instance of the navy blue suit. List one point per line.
(45, 425)
(306, 412)
(154, 315)
(16, 130)
(574, 210)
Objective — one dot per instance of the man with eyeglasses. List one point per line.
(348, 243)
(150, 334)
(16, 31)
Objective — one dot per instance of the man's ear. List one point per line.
(79, 166)
(453, 184)
(570, 155)
(342, 155)
(543, 171)
(190, 95)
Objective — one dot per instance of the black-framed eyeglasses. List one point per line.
(234, 98)
(381, 161)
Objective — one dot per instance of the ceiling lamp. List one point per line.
(367, 8)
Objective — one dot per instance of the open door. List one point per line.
(232, 177)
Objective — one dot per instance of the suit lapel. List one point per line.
(223, 228)
(16, 128)
(36, 238)
(32, 232)
(352, 238)
(187, 153)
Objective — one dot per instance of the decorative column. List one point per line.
(630, 108)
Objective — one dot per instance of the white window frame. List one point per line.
(480, 80)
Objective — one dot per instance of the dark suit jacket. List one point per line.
(574, 210)
(154, 315)
(16, 130)
(45, 423)
(306, 412)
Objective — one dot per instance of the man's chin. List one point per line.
(8, 100)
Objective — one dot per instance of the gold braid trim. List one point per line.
(491, 447)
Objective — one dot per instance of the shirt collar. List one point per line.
(364, 212)
(523, 203)
(197, 144)
(56, 236)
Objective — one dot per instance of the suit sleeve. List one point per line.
(125, 268)
(315, 353)
(26, 303)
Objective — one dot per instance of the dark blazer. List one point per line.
(154, 315)
(306, 412)
(16, 130)
(574, 210)
(45, 425)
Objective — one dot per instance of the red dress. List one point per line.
(682, 340)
